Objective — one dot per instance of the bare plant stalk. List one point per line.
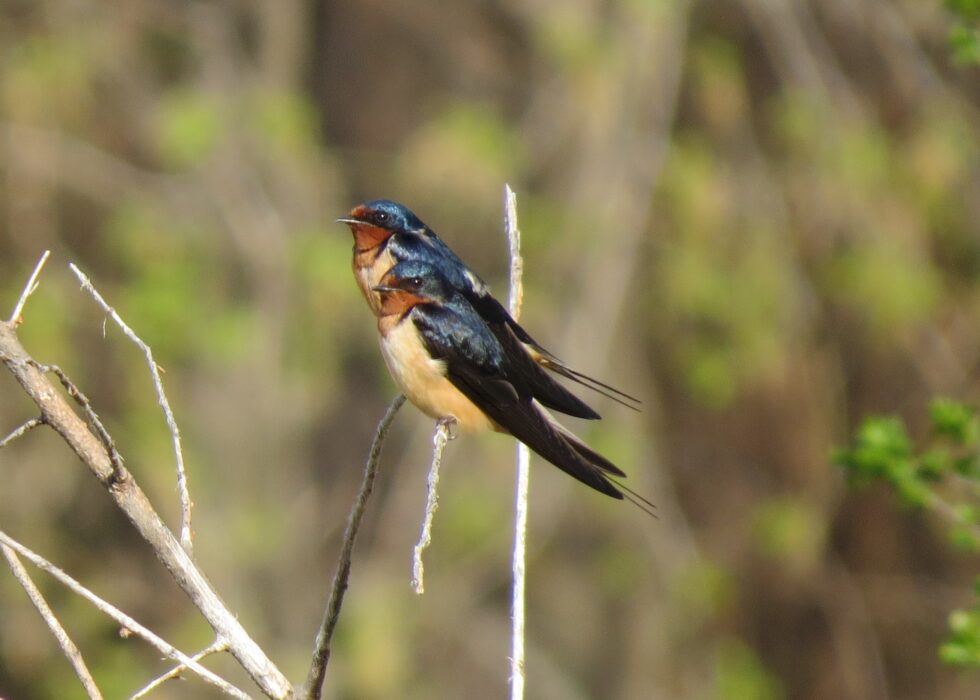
(442, 435)
(28, 289)
(186, 535)
(321, 653)
(523, 466)
(122, 487)
(64, 641)
(120, 617)
(216, 647)
(516, 298)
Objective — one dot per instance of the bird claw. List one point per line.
(448, 423)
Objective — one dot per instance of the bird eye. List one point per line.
(416, 282)
(382, 217)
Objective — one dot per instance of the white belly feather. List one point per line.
(423, 380)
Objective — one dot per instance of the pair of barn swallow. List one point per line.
(456, 352)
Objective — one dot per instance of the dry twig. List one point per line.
(216, 647)
(442, 435)
(64, 641)
(119, 472)
(186, 537)
(57, 413)
(22, 430)
(321, 653)
(32, 284)
(120, 617)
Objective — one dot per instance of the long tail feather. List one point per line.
(603, 464)
(636, 499)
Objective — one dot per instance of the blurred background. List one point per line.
(761, 217)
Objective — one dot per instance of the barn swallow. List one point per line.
(449, 363)
(386, 233)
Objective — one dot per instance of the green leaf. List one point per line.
(955, 420)
(881, 449)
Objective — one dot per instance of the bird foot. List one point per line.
(449, 424)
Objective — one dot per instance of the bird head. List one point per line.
(374, 222)
(410, 283)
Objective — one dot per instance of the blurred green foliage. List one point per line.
(757, 219)
(190, 126)
(942, 476)
(791, 531)
(964, 37)
(962, 648)
(740, 675)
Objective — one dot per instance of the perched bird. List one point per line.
(449, 363)
(387, 233)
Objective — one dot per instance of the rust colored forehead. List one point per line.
(360, 212)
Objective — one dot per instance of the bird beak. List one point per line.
(348, 220)
(384, 288)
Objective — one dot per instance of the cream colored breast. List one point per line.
(422, 379)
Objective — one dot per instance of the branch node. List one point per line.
(119, 473)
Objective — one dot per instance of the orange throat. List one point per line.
(397, 304)
(368, 239)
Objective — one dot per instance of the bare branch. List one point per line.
(321, 652)
(216, 647)
(442, 435)
(120, 617)
(128, 496)
(22, 430)
(523, 467)
(186, 536)
(64, 641)
(28, 289)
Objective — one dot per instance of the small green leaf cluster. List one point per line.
(964, 37)
(962, 647)
(943, 476)
(882, 450)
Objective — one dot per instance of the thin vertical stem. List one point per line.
(523, 468)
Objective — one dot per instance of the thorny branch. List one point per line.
(93, 445)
